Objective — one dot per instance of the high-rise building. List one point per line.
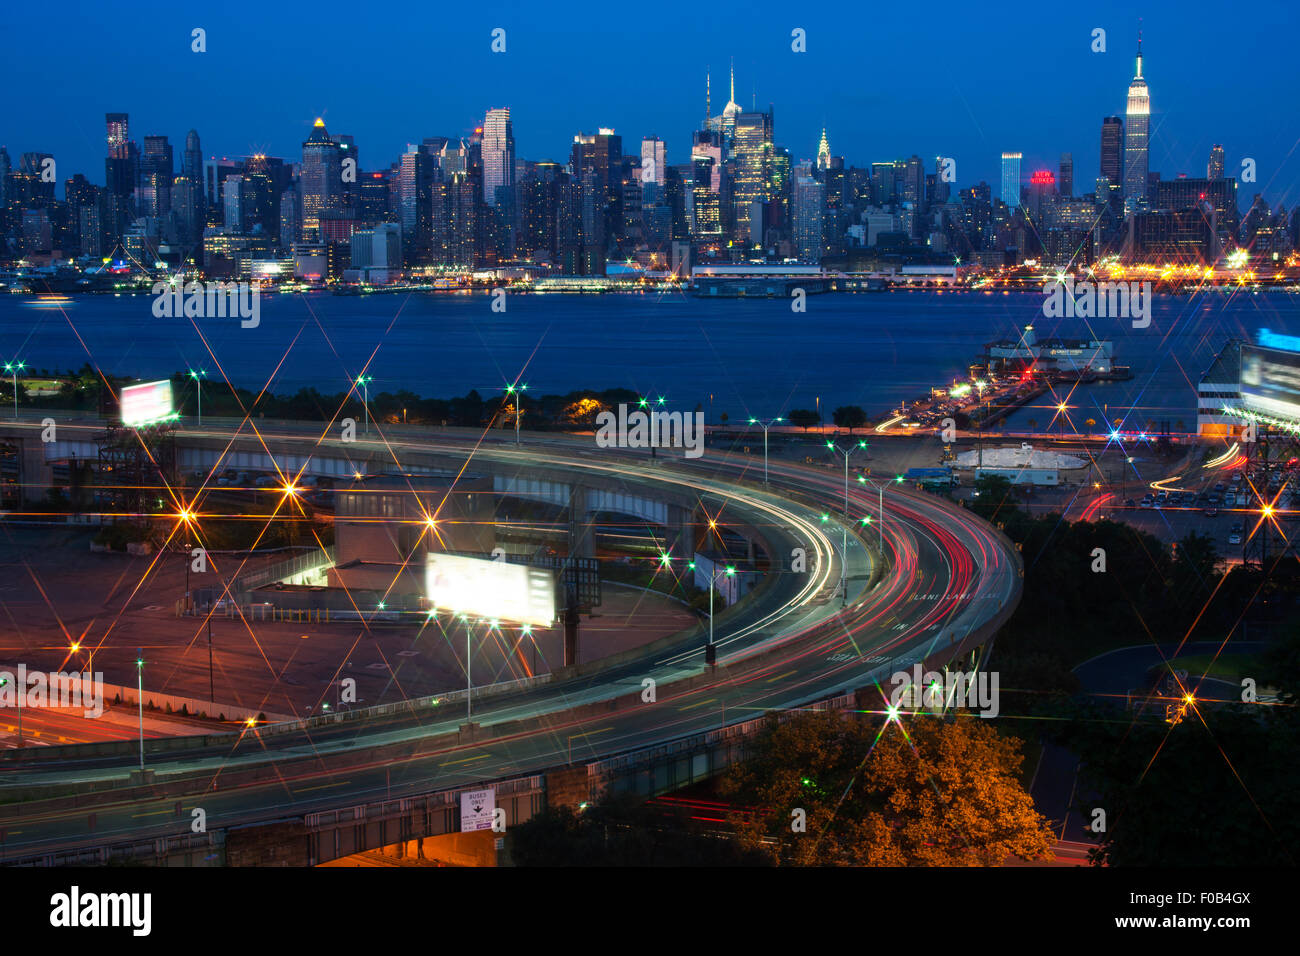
(415, 202)
(154, 198)
(1136, 139)
(1112, 154)
(498, 154)
(823, 152)
(192, 170)
(754, 151)
(654, 160)
(1214, 169)
(809, 200)
(119, 135)
(1011, 179)
(1065, 176)
(601, 154)
(321, 178)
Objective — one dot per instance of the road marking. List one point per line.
(698, 704)
(155, 813)
(452, 763)
(590, 733)
(323, 786)
(779, 676)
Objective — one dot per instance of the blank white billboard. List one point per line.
(490, 589)
(146, 404)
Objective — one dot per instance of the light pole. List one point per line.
(710, 652)
(469, 681)
(364, 381)
(198, 387)
(14, 368)
(518, 392)
(18, 692)
(139, 698)
(765, 426)
(880, 490)
(844, 530)
(212, 695)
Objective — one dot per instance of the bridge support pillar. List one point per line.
(35, 474)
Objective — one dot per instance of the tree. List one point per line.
(994, 497)
(850, 417)
(946, 792)
(804, 418)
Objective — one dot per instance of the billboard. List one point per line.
(490, 589)
(1270, 382)
(146, 404)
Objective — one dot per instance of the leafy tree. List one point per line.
(850, 417)
(929, 791)
(804, 418)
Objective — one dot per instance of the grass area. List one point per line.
(1230, 667)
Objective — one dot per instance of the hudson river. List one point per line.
(741, 357)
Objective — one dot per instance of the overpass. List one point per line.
(312, 790)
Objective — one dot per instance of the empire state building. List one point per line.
(1136, 138)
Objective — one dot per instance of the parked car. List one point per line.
(1234, 538)
(1211, 512)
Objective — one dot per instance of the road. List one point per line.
(946, 573)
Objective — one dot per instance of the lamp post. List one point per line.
(19, 691)
(765, 426)
(364, 381)
(518, 392)
(212, 696)
(198, 374)
(710, 652)
(844, 531)
(139, 698)
(13, 368)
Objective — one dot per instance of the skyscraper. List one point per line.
(119, 135)
(156, 176)
(823, 152)
(1136, 139)
(654, 160)
(1112, 153)
(809, 200)
(754, 151)
(498, 154)
(1011, 179)
(1214, 169)
(1065, 177)
(321, 179)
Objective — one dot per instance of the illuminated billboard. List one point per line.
(147, 404)
(490, 589)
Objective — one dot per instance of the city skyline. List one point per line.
(864, 121)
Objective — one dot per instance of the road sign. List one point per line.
(477, 808)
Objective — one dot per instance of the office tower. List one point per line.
(415, 203)
(372, 197)
(809, 200)
(707, 144)
(706, 212)
(1214, 169)
(654, 160)
(882, 183)
(1011, 179)
(156, 172)
(196, 195)
(1042, 191)
(264, 179)
(321, 178)
(119, 135)
(913, 181)
(1112, 151)
(1065, 177)
(601, 155)
(823, 152)
(754, 151)
(290, 217)
(234, 205)
(498, 154)
(1137, 131)
(724, 124)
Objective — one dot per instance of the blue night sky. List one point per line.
(888, 80)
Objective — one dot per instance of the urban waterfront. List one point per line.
(740, 358)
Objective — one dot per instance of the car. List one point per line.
(1211, 512)
(1229, 500)
(1220, 487)
(1234, 538)
(1212, 500)
(1147, 503)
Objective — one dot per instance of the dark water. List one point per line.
(740, 357)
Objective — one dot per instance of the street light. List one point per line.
(710, 652)
(198, 387)
(765, 426)
(139, 698)
(844, 535)
(20, 691)
(364, 381)
(518, 392)
(14, 368)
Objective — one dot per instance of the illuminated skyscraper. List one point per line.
(498, 154)
(1214, 169)
(1136, 139)
(1112, 153)
(754, 152)
(654, 160)
(321, 179)
(1011, 179)
(823, 152)
(1065, 178)
(119, 135)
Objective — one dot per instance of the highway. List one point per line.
(946, 573)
